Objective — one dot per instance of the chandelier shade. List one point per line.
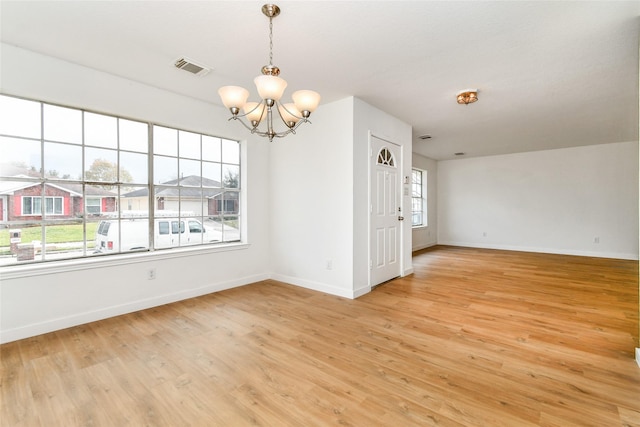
(233, 96)
(270, 88)
(306, 100)
(290, 114)
(254, 112)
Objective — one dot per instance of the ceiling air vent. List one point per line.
(192, 67)
(425, 137)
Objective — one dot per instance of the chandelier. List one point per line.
(270, 88)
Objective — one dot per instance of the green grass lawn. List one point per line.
(55, 233)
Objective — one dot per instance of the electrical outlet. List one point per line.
(329, 264)
(484, 234)
(596, 239)
(151, 274)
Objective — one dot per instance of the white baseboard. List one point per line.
(315, 286)
(92, 316)
(615, 255)
(425, 246)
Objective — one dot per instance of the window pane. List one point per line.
(19, 117)
(230, 176)
(189, 145)
(211, 149)
(166, 199)
(134, 199)
(192, 202)
(133, 168)
(92, 229)
(19, 157)
(27, 205)
(165, 170)
(37, 206)
(190, 169)
(165, 141)
(100, 130)
(101, 199)
(101, 165)
(230, 152)
(164, 237)
(48, 205)
(62, 161)
(62, 240)
(134, 136)
(93, 205)
(230, 229)
(62, 124)
(211, 174)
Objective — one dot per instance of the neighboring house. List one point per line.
(185, 195)
(22, 200)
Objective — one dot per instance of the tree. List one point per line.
(104, 171)
(231, 179)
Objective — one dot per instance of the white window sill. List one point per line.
(418, 227)
(77, 264)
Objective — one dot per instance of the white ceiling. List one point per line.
(550, 74)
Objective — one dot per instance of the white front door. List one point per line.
(386, 216)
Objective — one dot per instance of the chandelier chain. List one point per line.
(270, 41)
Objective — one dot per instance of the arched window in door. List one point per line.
(385, 157)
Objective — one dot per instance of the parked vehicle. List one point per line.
(131, 232)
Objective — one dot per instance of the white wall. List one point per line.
(555, 201)
(320, 198)
(33, 303)
(423, 237)
(311, 192)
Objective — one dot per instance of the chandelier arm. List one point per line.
(287, 110)
(238, 116)
(239, 119)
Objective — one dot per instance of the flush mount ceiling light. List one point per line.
(467, 96)
(270, 88)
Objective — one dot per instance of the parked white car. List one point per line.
(131, 232)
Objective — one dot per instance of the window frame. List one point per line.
(87, 205)
(37, 200)
(420, 198)
(87, 255)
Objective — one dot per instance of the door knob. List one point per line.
(400, 218)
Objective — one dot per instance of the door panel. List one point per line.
(385, 215)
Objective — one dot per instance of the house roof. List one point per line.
(10, 186)
(550, 74)
(189, 187)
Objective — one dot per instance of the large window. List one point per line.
(75, 183)
(418, 198)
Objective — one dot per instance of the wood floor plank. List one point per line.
(473, 338)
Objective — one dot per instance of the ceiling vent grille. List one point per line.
(192, 67)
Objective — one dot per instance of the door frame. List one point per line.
(400, 192)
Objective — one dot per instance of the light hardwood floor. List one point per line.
(473, 338)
